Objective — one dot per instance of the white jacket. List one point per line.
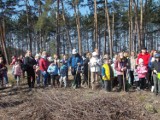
(95, 64)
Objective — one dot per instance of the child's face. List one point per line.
(157, 59)
(106, 61)
(141, 63)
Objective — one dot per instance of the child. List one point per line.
(38, 74)
(121, 68)
(94, 68)
(106, 75)
(142, 71)
(156, 71)
(63, 75)
(54, 73)
(136, 79)
(17, 71)
(5, 76)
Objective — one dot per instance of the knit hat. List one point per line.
(157, 55)
(74, 51)
(140, 60)
(50, 59)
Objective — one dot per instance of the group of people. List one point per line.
(123, 71)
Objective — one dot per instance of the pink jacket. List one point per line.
(142, 71)
(17, 70)
(118, 67)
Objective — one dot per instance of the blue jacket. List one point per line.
(53, 70)
(64, 62)
(150, 63)
(74, 60)
(63, 70)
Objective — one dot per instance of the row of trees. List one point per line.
(110, 26)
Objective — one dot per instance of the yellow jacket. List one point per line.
(106, 72)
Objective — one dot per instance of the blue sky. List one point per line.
(83, 10)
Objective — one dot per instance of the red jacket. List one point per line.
(43, 64)
(145, 58)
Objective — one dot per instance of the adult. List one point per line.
(75, 62)
(43, 66)
(151, 60)
(156, 70)
(145, 56)
(85, 68)
(29, 63)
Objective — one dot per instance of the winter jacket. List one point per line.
(156, 66)
(13, 61)
(43, 64)
(95, 64)
(17, 70)
(132, 63)
(63, 70)
(114, 70)
(85, 65)
(57, 61)
(29, 62)
(64, 62)
(145, 58)
(53, 69)
(151, 60)
(141, 71)
(74, 60)
(119, 65)
(106, 72)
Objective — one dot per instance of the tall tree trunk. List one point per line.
(95, 24)
(109, 29)
(112, 33)
(78, 27)
(58, 30)
(66, 26)
(141, 25)
(2, 36)
(137, 24)
(87, 41)
(130, 22)
(39, 43)
(29, 38)
(105, 41)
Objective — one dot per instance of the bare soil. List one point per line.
(77, 104)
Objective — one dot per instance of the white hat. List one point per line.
(50, 59)
(140, 60)
(74, 51)
(37, 55)
(94, 54)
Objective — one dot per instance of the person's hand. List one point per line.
(34, 66)
(155, 71)
(122, 69)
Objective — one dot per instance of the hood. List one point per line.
(144, 54)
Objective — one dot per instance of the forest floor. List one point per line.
(77, 104)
